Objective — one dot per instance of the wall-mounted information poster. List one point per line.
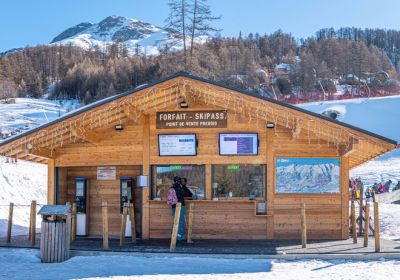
(307, 175)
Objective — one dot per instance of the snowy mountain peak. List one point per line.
(135, 34)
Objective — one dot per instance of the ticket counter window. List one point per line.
(163, 176)
(238, 181)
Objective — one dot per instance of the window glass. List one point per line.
(238, 181)
(163, 176)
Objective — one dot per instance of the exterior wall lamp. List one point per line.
(119, 127)
(183, 104)
(270, 125)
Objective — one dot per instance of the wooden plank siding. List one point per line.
(116, 148)
(212, 220)
(137, 145)
(99, 191)
(323, 211)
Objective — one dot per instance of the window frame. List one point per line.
(263, 197)
(154, 177)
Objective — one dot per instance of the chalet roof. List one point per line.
(185, 74)
(391, 143)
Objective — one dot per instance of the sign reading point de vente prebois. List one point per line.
(192, 119)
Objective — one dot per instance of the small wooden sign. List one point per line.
(192, 119)
(106, 173)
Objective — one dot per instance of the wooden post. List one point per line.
(145, 214)
(70, 221)
(190, 223)
(123, 225)
(303, 226)
(10, 217)
(353, 222)
(377, 228)
(50, 181)
(174, 236)
(132, 218)
(366, 229)
(30, 223)
(32, 229)
(73, 222)
(105, 224)
(360, 218)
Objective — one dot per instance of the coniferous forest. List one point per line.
(275, 63)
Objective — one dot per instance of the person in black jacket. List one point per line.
(181, 191)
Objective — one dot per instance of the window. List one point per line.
(238, 181)
(163, 176)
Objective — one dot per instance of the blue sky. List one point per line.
(31, 22)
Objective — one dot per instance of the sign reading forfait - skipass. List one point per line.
(191, 119)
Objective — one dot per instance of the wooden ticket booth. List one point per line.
(250, 160)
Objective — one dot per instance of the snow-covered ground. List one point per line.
(20, 184)
(380, 115)
(24, 263)
(389, 215)
(28, 113)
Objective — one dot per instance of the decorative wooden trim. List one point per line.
(42, 153)
(89, 136)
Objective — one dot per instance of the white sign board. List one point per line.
(106, 173)
(238, 144)
(177, 144)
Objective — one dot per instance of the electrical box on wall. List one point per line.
(142, 181)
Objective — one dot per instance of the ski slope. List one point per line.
(380, 115)
(22, 182)
(28, 113)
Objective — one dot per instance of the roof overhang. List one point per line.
(358, 144)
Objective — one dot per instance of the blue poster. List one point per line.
(307, 175)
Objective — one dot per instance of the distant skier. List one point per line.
(387, 186)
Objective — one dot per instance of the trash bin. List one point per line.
(55, 233)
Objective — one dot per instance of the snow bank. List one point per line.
(23, 263)
(389, 221)
(380, 115)
(21, 183)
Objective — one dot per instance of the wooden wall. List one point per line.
(99, 191)
(327, 215)
(115, 148)
(212, 220)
